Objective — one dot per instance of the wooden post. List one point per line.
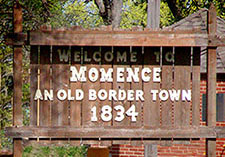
(17, 79)
(153, 18)
(211, 81)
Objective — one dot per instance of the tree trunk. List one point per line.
(153, 14)
(116, 13)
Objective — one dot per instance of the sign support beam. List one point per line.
(17, 79)
(211, 82)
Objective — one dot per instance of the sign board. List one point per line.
(113, 86)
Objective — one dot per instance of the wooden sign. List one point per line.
(113, 86)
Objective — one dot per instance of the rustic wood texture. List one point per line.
(182, 81)
(45, 84)
(75, 106)
(151, 109)
(107, 86)
(211, 81)
(60, 75)
(153, 18)
(124, 85)
(119, 38)
(196, 87)
(33, 84)
(111, 132)
(137, 86)
(167, 84)
(17, 79)
(87, 104)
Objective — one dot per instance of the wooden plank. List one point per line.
(121, 86)
(17, 79)
(153, 18)
(211, 81)
(75, 106)
(182, 81)
(151, 109)
(33, 84)
(45, 84)
(107, 86)
(137, 51)
(98, 152)
(110, 132)
(120, 38)
(87, 104)
(167, 84)
(196, 87)
(137, 85)
(60, 75)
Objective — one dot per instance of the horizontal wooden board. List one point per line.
(111, 132)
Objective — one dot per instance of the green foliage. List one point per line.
(166, 16)
(134, 14)
(57, 151)
(81, 13)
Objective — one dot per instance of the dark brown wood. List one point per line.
(107, 86)
(75, 106)
(119, 38)
(60, 75)
(87, 105)
(123, 85)
(45, 84)
(151, 109)
(167, 84)
(182, 80)
(33, 84)
(111, 132)
(17, 79)
(211, 81)
(196, 87)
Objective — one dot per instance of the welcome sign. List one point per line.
(112, 85)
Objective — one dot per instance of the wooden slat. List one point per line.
(211, 80)
(75, 106)
(123, 86)
(196, 87)
(60, 80)
(33, 84)
(110, 132)
(167, 84)
(151, 109)
(17, 79)
(107, 86)
(45, 78)
(119, 38)
(87, 104)
(182, 80)
(137, 86)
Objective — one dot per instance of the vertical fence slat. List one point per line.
(33, 84)
(182, 80)
(60, 75)
(151, 109)
(45, 79)
(196, 87)
(107, 86)
(120, 85)
(75, 106)
(167, 84)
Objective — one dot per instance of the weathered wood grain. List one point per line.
(60, 75)
(196, 87)
(151, 109)
(167, 84)
(182, 81)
